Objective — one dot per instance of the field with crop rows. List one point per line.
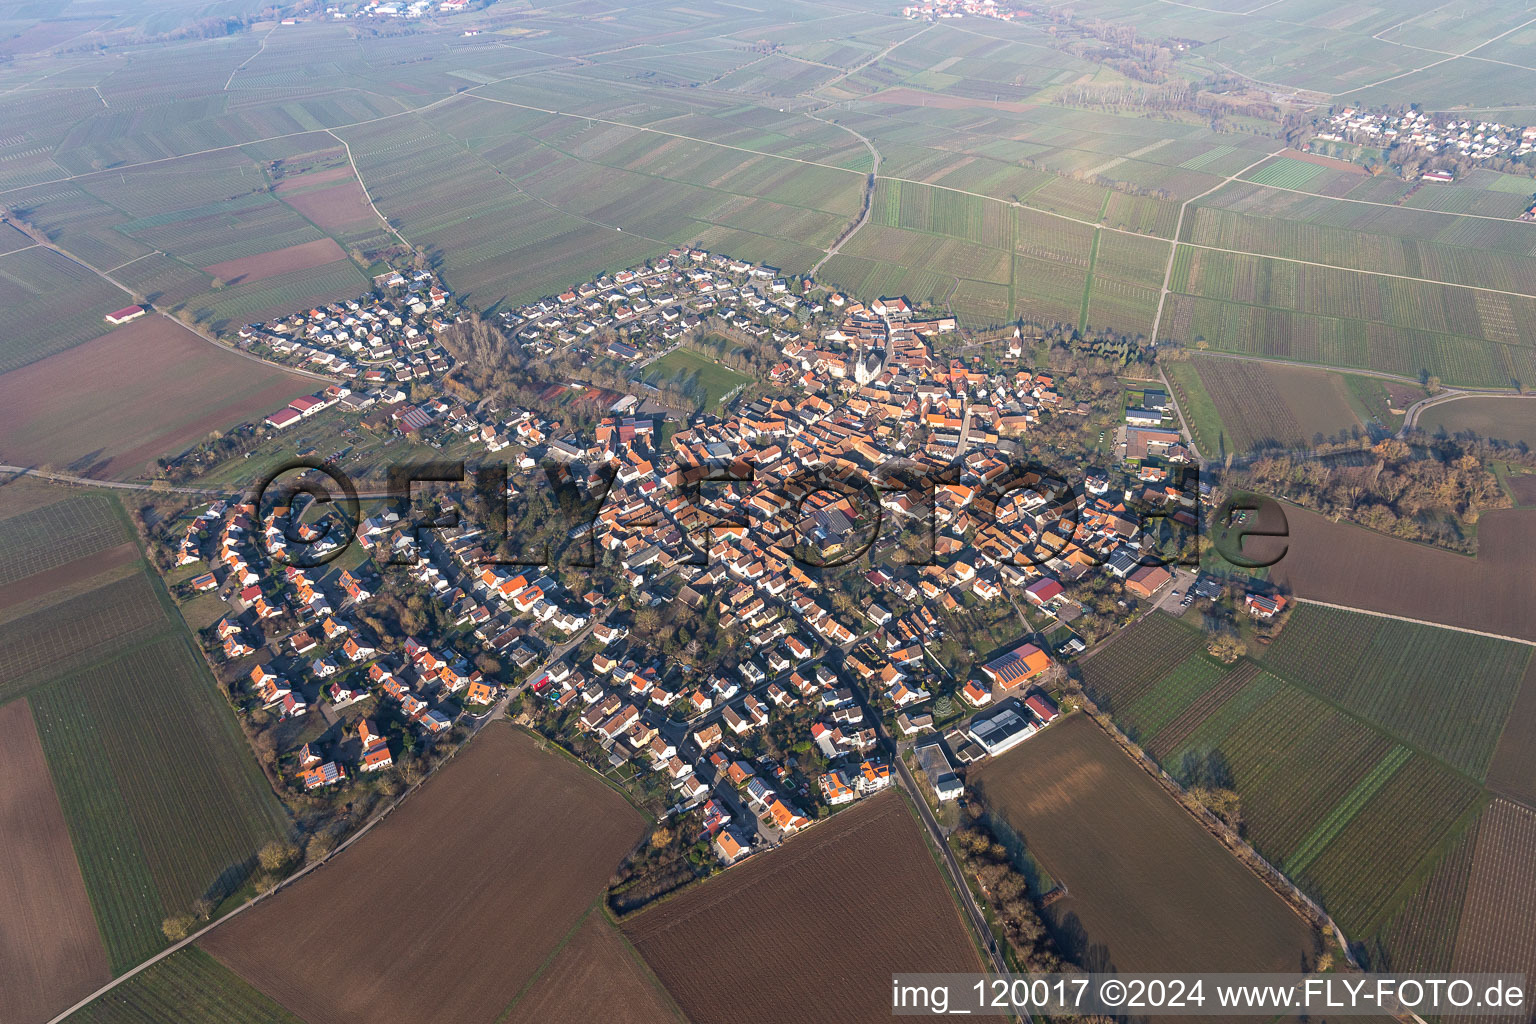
(1170, 695)
(1498, 921)
(1120, 672)
(1447, 692)
(1359, 873)
(861, 276)
(938, 211)
(1422, 937)
(1271, 406)
(56, 534)
(179, 792)
(1311, 743)
(188, 985)
(53, 303)
(75, 631)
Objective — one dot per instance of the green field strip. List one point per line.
(1355, 351)
(116, 872)
(189, 985)
(1093, 255)
(1345, 810)
(1173, 693)
(1013, 265)
(1199, 408)
(1452, 857)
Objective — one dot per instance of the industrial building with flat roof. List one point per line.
(1006, 728)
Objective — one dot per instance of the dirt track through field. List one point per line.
(596, 977)
(50, 951)
(49, 580)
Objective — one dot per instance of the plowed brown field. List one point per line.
(596, 977)
(50, 952)
(1148, 888)
(444, 912)
(167, 389)
(813, 930)
(1346, 564)
(278, 261)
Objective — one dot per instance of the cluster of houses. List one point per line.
(708, 516)
(408, 9)
(639, 313)
(375, 341)
(1434, 134)
(935, 9)
(293, 632)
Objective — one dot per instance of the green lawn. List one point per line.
(704, 379)
(1199, 411)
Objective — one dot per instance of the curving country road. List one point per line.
(869, 193)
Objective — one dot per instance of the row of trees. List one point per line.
(1008, 892)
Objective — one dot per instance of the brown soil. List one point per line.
(50, 952)
(309, 179)
(343, 207)
(279, 261)
(1149, 889)
(444, 912)
(168, 388)
(1512, 771)
(1325, 161)
(1346, 564)
(597, 976)
(1522, 488)
(48, 581)
(810, 931)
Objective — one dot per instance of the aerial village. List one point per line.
(1433, 134)
(935, 9)
(799, 689)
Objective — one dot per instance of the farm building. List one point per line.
(126, 314)
(283, 418)
(1042, 591)
(1004, 730)
(307, 405)
(1148, 580)
(1017, 666)
(1042, 708)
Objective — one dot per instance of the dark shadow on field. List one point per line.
(1073, 941)
(90, 464)
(230, 880)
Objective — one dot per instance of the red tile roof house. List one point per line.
(376, 755)
(1262, 607)
(1042, 591)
